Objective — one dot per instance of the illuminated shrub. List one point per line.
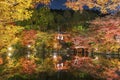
(28, 66)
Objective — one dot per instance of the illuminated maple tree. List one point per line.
(104, 5)
(28, 37)
(83, 41)
(8, 36)
(13, 10)
(10, 12)
(105, 30)
(28, 66)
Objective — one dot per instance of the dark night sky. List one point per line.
(58, 4)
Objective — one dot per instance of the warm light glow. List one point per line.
(118, 40)
(60, 66)
(68, 55)
(96, 49)
(28, 55)
(10, 48)
(29, 46)
(54, 56)
(9, 54)
(96, 58)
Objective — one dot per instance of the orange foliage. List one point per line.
(28, 37)
(80, 62)
(104, 31)
(1, 61)
(108, 26)
(28, 66)
(111, 74)
(61, 37)
(83, 41)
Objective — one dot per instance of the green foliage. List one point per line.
(46, 18)
(79, 28)
(10, 68)
(67, 15)
(43, 37)
(46, 66)
(20, 51)
(41, 19)
(43, 44)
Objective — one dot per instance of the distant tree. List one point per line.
(59, 19)
(41, 19)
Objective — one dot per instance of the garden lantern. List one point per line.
(60, 37)
(59, 66)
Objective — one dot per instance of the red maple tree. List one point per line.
(105, 30)
(28, 66)
(28, 37)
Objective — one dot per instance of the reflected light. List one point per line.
(118, 41)
(54, 56)
(9, 54)
(96, 49)
(96, 58)
(29, 46)
(28, 55)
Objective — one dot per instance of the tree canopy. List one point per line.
(13, 10)
(105, 31)
(103, 5)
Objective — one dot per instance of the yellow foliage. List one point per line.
(8, 35)
(13, 10)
